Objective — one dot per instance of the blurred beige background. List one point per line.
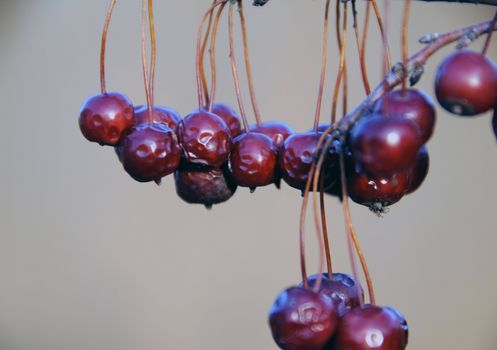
(90, 260)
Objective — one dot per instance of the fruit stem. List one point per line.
(234, 70)
(361, 46)
(205, 89)
(248, 68)
(104, 44)
(324, 227)
(342, 64)
(489, 35)
(405, 27)
(200, 96)
(144, 61)
(212, 55)
(352, 238)
(386, 47)
(153, 49)
(324, 60)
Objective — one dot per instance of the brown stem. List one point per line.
(324, 227)
(405, 27)
(200, 96)
(248, 68)
(212, 52)
(144, 61)
(205, 89)
(342, 49)
(489, 36)
(345, 89)
(324, 59)
(386, 47)
(104, 45)
(234, 70)
(153, 49)
(361, 46)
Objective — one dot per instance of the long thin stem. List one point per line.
(324, 60)
(234, 69)
(103, 46)
(212, 52)
(405, 49)
(200, 96)
(362, 62)
(343, 49)
(489, 36)
(205, 89)
(144, 61)
(386, 47)
(248, 67)
(324, 227)
(153, 49)
(364, 41)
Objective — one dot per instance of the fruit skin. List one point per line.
(296, 157)
(342, 288)
(302, 319)
(278, 131)
(205, 139)
(418, 173)
(160, 114)
(253, 160)
(229, 115)
(385, 145)
(104, 118)
(197, 184)
(150, 152)
(371, 327)
(413, 104)
(465, 83)
(376, 192)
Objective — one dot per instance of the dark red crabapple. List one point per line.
(420, 170)
(150, 152)
(205, 139)
(229, 115)
(160, 114)
(104, 118)
(198, 184)
(413, 104)
(296, 157)
(384, 146)
(278, 131)
(253, 160)
(302, 319)
(371, 327)
(342, 288)
(466, 82)
(376, 192)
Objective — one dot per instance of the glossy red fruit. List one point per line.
(150, 152)
(384, 146)
(253, 160)
(342, 288)
(466, 82)
(229, 115)
(376, 192)
(197, 184)
(278, 131)
(419, 172)
(104, 118)
(413, 104)
(205, 139)
(302, 319)
(371, 327)
(296, 157)
(162, 115)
